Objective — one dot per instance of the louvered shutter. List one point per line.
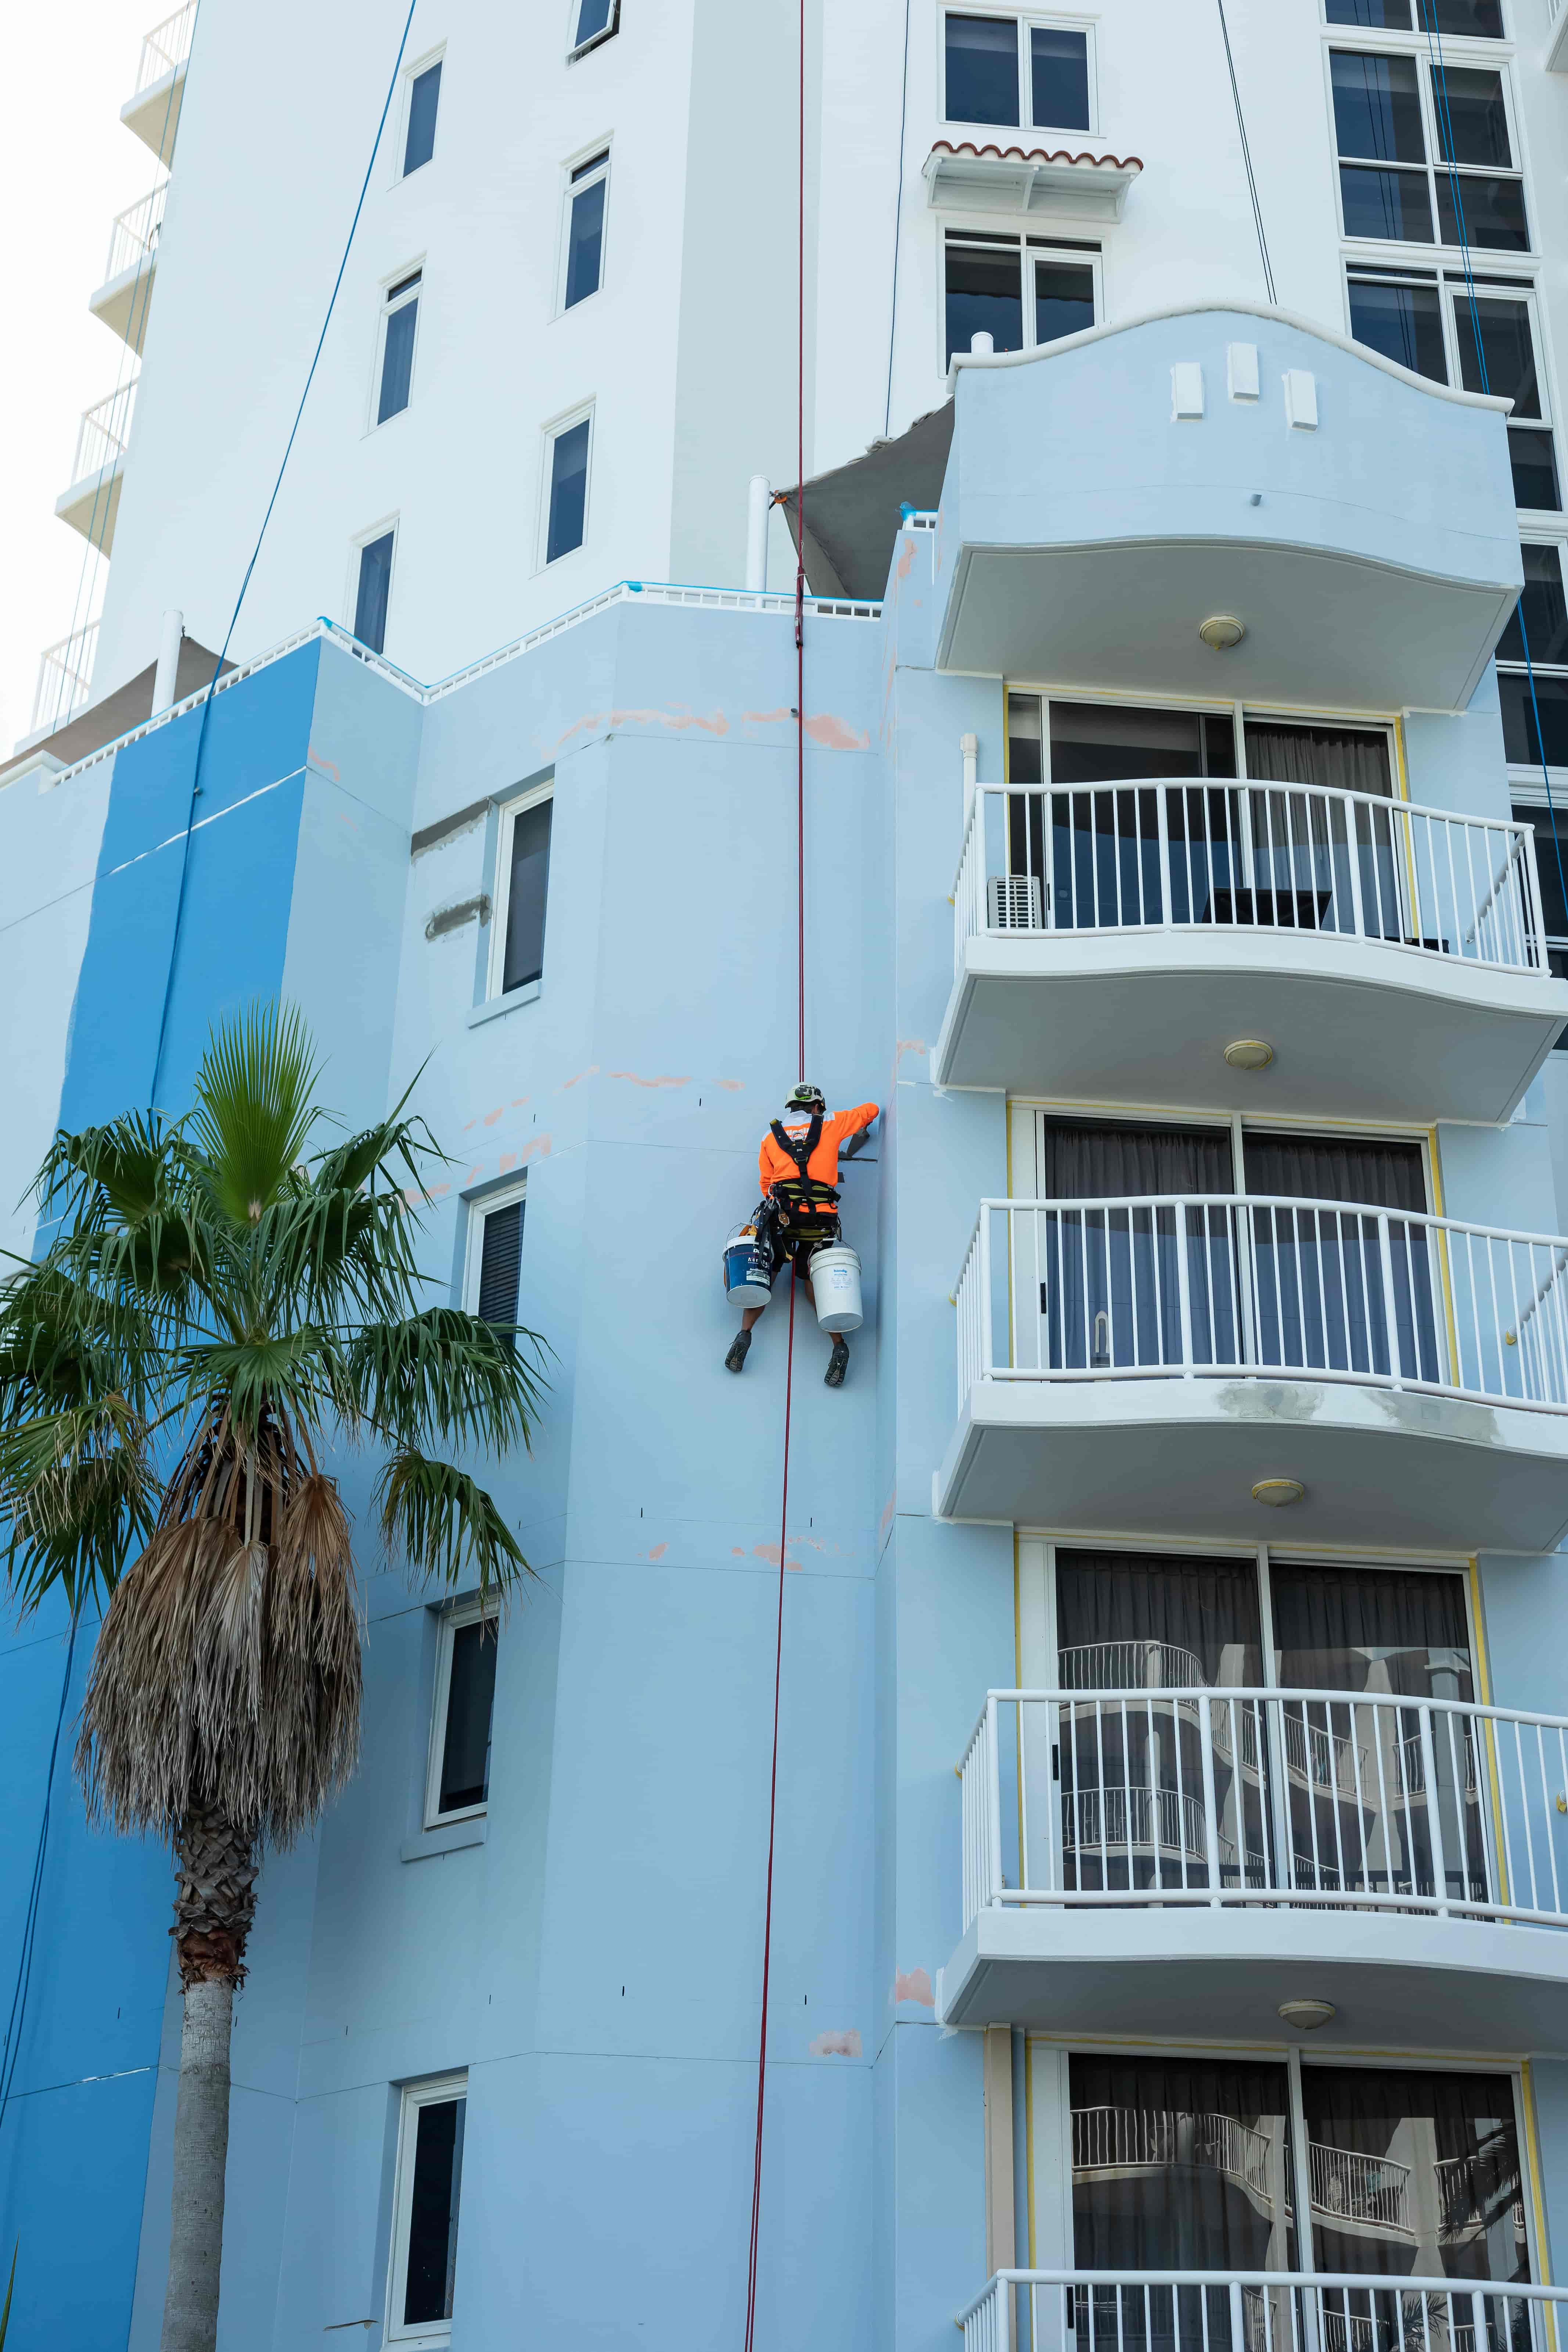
(501, 1257)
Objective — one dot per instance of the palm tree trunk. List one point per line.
(213, 1912)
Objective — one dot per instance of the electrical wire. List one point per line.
(898, 220)
(10, 2047)
(250, 567)
(1246, 155)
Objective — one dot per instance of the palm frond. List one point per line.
(255, 1107)
(445, 1525)
(78, 1497)
(445, 1375)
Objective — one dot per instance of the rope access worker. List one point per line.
(798, 1164)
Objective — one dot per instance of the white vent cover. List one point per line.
(1013, 902)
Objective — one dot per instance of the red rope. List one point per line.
(789, 1358)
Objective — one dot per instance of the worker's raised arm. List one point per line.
(850, 1122)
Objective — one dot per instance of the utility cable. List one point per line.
(1246, 155)
(898, 220)
(1439, 68)
(11, 2045)
(255, 553)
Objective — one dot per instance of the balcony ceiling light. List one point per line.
(1306, 2015)
(1278, 1492)
(1249, 1054)
(1221, 631)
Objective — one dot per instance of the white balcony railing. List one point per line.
(1257, 2311)
(1131, 2139)
(64, 678)
(1348, 2186)
(1179, 856)
(1221, 1285)
(1082, 1798)
(134, 236)
(165, 48)
(105, 433)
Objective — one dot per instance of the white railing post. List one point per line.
(1390, 1319)
(1211, 1816)
(1167, 878)
(992, 1802)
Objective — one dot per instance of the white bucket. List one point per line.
(746, 1268)
(835, 1286)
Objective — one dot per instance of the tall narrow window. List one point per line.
(400, 321)
(585, 194)
(1402, 316)
(593, 21)
(425, 2229)
(497, 1261)
(374, 590)
(424, 99)
(522, 878)
(1536, 687)
(1503, 359)
(982, 69)
(459, 1783)
(566, 507)
(1058, 77)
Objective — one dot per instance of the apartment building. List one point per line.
(1170, 1913)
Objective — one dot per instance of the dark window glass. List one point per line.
(500, 1262)
(1385, 204)
(585, 243)
(1521, 742)
(1534, 462)
(1338, 758)
(1385, 15)
(375, 585)
(1472, 120)
(984, 293)
(593, 17)
(1059, 72)
(432, 2218)
(398, 361)
(1117, 1161)
(1550, 830)
(1507, 349)
(1108, 742)
(1557, 959)
(1142, 1620)
(466, 1751)
(1377, 106)
(526, 896)
(1494, 211)
(1480, 19)
(1371, 1629)
(568, 491)
(1413, 2173)
(1177, 2164)
(1318, 1168)
(1542, 611)
(1402, 322)
(1023, 738)
(1064, 300)
(982, 70)
(422, 101)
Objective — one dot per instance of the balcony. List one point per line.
(154, 114)
(125, 296)
(92, 503)
(1398, 1381)
(1107, 495)
(65, 680)
(1111, 940)
(1257, 2311)
(1189, 1856)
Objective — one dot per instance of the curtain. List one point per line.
(1413, 2173)
(1335, 759)
(1110, 1279)
(1325, 1299)
(1324, 1168)
(1121, 1615)
(1109, 1162)
(1371, 1629)
(1180, 2164)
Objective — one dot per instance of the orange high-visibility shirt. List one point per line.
(823, 1165)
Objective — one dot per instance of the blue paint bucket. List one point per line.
(746, 1269)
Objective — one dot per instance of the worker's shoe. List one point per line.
(837, 1364)
(735, 1361)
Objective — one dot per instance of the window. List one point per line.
(1020, 295)
(424, 2223)
(522, 879)
(495, 1258)
(1474, 19)
(459, 1778)
(374, 589)
(584, 265)
(424, 97)
(991, 61)
(566, 495)
(1424, 319)
(1412, 156)
(399, 322)
(593, 21)
(1540, 628)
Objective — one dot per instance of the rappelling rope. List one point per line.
(1246, 154)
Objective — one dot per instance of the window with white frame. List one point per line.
(1479, 20)
(1534, 697)
(1416, 149)
(494, 1257)
(522, 891)
(1428, 320)
(583, 235)
(429, 2182)
(458, 1785)
(395, 354)
(1020, 70)
(1021, 291)
(422, 104)
(372, 584)
(591, 21)
(567, 448)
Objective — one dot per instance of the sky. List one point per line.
(67, 166)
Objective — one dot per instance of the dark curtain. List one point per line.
(1180, 2164)
(1371, 1629)
(1322, 1168)
(1111, 1287)
(1109, 1162)
(1424, 2167)
(1336, 759)
(1134, 1603)
(1323, 1299)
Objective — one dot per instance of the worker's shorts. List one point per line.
(789, 1237)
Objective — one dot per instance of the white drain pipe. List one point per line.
(168, 674)
(758, 505)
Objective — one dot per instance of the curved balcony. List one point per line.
(1408, 1374)
(1112, 940)
(1193, 1858)
(1258, 2311)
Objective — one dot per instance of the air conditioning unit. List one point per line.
(1013, 903)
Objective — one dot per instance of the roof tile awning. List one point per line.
(1031, 180)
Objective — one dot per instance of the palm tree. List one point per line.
(212, 1315)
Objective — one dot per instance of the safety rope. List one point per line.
(898, 220)
(1246, 155)
(11, 2045)
(1439, 68)
(255, 553)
